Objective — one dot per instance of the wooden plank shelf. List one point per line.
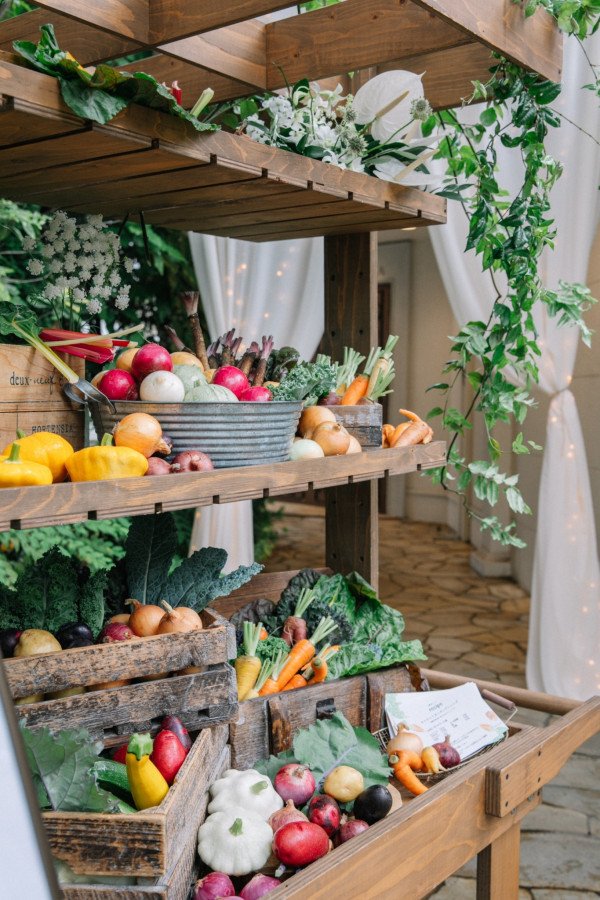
(31, 507)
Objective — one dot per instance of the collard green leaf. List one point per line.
(62, 768)
(335, 742)
(358, 658)
(90, 103)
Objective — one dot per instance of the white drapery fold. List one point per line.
(563, 655)
(258, 289)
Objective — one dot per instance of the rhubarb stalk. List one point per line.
(267, 347)
(177, 342)
(190, 302)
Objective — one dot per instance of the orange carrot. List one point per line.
(303, 651)
(408, 758)
(358, 387)
(414, 433)
(264, 634)
(297, 681)
(319, 667)
(387, 432)
(407, 777)
(270, 685)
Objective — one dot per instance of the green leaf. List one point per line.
(150, 548)
(90, 103)
(61, 765)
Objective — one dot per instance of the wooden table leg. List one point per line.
(498, 867)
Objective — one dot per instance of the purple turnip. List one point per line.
(324, 811)
(300, 843)
(295, 782)
(258, 886)
(214, 886)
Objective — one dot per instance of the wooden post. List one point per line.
(351, 533)
(498, 867)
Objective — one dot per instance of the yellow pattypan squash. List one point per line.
(46, 448)
(106, 461)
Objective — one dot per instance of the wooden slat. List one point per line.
(334, 39)
(87, 44)
(126, 18)
(174, 19)
(75, 502)
(20, 123)
(533, 42)
(192, 79)
(525, 767)
(238, 51)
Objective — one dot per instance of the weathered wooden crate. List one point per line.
(364, 422)
(153, 843)
(206, 697)
(32, 399)
(267, 725)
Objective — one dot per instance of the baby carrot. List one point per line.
(358, 387)
(296, 682)
(319, 667)
(270, 685)
(407, 777)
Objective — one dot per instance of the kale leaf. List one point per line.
(308, 382)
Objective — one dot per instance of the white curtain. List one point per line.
(563, 654)
(274, 288)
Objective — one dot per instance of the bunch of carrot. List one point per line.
(415, 431)
(302, 653)
(374, 379)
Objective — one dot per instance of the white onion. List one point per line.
(305, 449)
(162, 387)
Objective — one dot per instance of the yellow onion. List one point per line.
(312, 417)
(141, 432)
(183, 358)
(145, 618)
(333, 439)
(125, 359)
(174, 621)
(354, 445)
(405, 740)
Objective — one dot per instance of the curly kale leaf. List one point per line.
(307, 382)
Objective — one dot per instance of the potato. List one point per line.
(344, 783)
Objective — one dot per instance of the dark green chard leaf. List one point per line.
(358, 658)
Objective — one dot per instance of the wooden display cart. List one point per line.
(145, 164)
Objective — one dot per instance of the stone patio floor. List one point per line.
(476, 627)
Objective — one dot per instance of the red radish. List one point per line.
(300, 843)
(172, 723)
(324, 811)
(289, 813)
(332, 399)
(214, 886)
(158, 466)
(115, 631)
(295, 782)
(191, 461)
(151, 358)
(117, 384)
(231, 377)
(349, 830)
(168, 755)
(258, 886)
(256, 394)
(119, 755)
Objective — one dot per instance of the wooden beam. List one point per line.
(192, 79)
(238, 51)
(533, 42)
(448, 75)
(171, 20)
(87, 44)
(334, 39)
(127, 18)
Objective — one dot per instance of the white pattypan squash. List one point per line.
(235, 841)
(247, 789)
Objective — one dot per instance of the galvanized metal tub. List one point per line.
(232, 434)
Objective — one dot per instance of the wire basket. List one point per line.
(383, 736)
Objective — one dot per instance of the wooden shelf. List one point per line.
(56, 504)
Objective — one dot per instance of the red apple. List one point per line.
(151, 358)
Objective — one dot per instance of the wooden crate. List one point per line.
(364, 422)
(267, 725)
(32, 398)
(153, 843)
(206, 697)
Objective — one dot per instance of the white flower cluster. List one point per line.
(80, 264)
(377, 131)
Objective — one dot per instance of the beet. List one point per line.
(373, 804)
(324, 811)
(300, 843)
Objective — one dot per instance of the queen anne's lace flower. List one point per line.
(80, 267)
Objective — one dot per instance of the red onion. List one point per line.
(191, 461)
(289, 813)
(349, 830)
(258, 886)
(115, 631)
(214, 886)
(158, 466)
(295, 782)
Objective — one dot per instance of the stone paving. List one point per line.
(476, 627)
